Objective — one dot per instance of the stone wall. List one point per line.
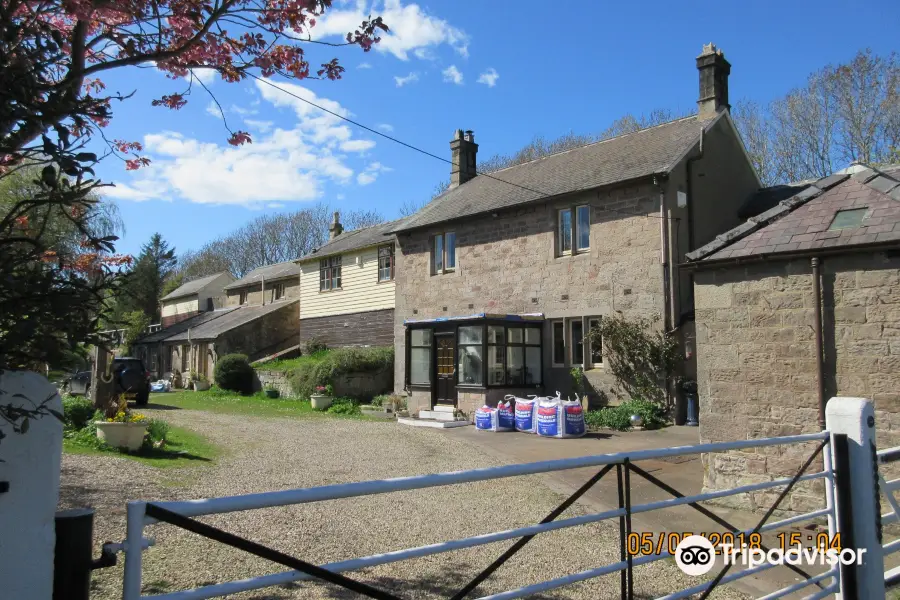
(509, 264)
(370, 328)
(359, 385)
(756, 357)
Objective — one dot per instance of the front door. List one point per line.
(445, 368)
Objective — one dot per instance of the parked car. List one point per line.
(131, 378)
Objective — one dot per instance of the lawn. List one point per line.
(183, 447)
(220, 401)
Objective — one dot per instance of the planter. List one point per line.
(201, 386)
(320, 401)
(272, 393)
(121, 435)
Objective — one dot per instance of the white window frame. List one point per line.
(278, 291)
(553, 343)
(389, 248)
(331, 265)
(570, 353)
(443, 253)
(574, 230)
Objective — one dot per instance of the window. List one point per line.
(420, 356)
(583, 228)
(565, 231)
(185, 350)
(559, 343)
(242, 297)
(574, 232)
(596, 342)
(278, 291)
(470, 354)
(847, 218)
(444, 251)
(577, 329)
(330, 273)
(386, 263)
(514, 355)
(496, 349)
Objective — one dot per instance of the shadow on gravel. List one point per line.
(156, 406)
(596, 435)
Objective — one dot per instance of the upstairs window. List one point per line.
(386, 263)
(330, 274)
(278, 291)
(574, 230)
(444, 252)
(242, 297)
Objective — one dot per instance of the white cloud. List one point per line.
(213, 109)
(412, 29)
(282, 165)
(489, 77)
(385, 127)
(364, 65)
(205, 76)
(401, 81)
(274, 205)
(452, 75)
(262, 126)
(357, 145)
(238, 110)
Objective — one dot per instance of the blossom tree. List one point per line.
(53, 104)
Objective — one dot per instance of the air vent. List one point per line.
(471, 306)
(564, 297)
(415, 311)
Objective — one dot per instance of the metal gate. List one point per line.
(840, 460)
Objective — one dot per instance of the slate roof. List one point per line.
(768, 197)
(182, 326)
(647, 152)
(269, 272)
(801, 222)
(354, 240)
(191, 287)
(242, 315)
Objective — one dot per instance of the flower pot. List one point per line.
(272, 393)
(320, 401)
(122, 435)
(201, 386)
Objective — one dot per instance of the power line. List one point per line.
(420, 150)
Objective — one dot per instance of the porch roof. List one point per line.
(479, 316)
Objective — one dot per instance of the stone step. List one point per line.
(444, 408)
(437, 415)
(431, 423)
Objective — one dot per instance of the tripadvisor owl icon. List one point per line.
(695, 555)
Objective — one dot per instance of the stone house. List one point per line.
(194, 297)
(501, 276)
(347, 288)
(798, 304)
(265, 285)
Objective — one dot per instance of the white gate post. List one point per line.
(855, 417)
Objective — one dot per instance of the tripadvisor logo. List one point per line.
(695, 555)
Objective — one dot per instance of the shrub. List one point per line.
(77, 411)
(313, 373)
(157, 430)
(344, 406)
(234, 373)
(314, 345)
(380, 400)
(619, 417)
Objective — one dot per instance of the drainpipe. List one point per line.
(263, 291)
(664, 257)
(689, 175)
(820, 360)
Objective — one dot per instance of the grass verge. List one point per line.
(257, 405)
(183, 447)
(290, 364)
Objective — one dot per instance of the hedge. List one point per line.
(336, 362)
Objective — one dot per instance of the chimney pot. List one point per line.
(336, 227)
(714, 71)
(463, 151)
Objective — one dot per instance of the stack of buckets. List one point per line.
(545, 416)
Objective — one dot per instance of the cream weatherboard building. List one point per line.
(347, 288)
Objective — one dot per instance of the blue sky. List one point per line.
(507, 70)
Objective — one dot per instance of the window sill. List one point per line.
(576, 255)
(420, 386)
(471, 386)
(339, 289)
(380, 281)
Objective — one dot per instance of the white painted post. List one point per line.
(134, 548)
(31, 467)
(855, 417)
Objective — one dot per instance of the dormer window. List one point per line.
(242, 297)
(278, 291)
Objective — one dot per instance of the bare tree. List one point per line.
(411, 207)
(756, 132)
(359, 219)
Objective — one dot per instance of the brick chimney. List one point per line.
(714, 71)
(462, 152)
(336, 227)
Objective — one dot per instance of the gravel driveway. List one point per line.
(270, 454)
